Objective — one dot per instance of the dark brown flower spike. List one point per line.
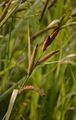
(50, 39)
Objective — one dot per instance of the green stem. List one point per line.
(52, 27)
(67, 25)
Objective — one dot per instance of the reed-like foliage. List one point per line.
(37, 59)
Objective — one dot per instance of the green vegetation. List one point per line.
(37, 60)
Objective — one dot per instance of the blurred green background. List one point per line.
(55, 80)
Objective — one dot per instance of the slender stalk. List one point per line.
(67, 25)
(5, 11)
(42, 31)
(43, 11)
(52, 3)
(9, 14)
(9, 91)
(51, 27)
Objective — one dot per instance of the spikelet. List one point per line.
(50, 39)
(44, 58)
(32, 59)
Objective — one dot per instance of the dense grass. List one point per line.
(33, 87)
